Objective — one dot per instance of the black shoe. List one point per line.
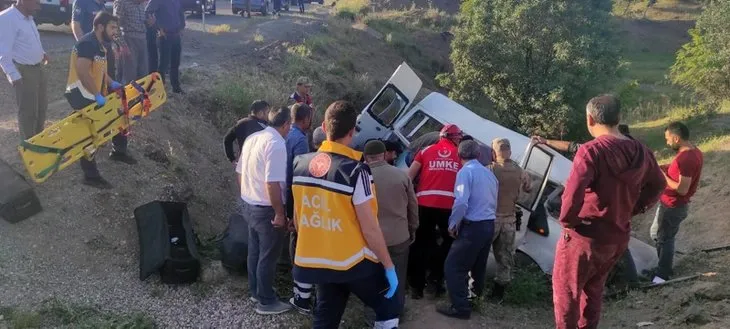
(178, 90)
(451, 312)
(98, 182)
(417, 294)
(122, 157)
(498, 291)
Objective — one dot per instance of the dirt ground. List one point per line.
(83, 247)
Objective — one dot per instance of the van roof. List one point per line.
(445, 110)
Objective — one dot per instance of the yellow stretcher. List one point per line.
(83, 132)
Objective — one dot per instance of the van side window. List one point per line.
(387, 105)
(537, 166)
(418, 125)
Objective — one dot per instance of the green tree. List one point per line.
(536, 61)
(703, 64)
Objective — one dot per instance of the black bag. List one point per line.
(167, 242)
(234, 245)
(18, 200)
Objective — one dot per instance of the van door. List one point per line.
(537, 162)
(377, 119)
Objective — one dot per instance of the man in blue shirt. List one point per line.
(297, 144)
(472, 225)
(82, 16)
(169, 17)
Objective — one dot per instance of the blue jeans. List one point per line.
(469, 252)
(668, 220)
(265, 244)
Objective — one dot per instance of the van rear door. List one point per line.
(377, 119)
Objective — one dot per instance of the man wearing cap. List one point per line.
(398, 223)
(512, 179)
(472, 225)
(301, 95)
(436, 167)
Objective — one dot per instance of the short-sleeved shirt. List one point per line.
(84, 11)
(90, 48)
(687, 164)
(263, 160)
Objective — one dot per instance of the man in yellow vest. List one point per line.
(340, 247)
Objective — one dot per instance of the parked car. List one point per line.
(262, 6)
(392, 115)
(196, 7)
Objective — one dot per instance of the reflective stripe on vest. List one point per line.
(435, 192)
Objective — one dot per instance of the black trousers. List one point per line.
(152, 59)
(170, 52)
(425, 253)
(332, 301)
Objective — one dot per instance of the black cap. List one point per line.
(374, 147)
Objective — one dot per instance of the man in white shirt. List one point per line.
(22, 59)
(262, 174)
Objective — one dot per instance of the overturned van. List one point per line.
(392, 116)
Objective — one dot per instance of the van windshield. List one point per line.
(418, 125)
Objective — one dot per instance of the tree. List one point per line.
(703, 64)
(537, 61)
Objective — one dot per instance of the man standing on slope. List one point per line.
(613, 178)
(436, 166)
(512, 180)
(683, 177)
(340, 247)
(89, 82)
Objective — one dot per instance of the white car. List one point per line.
(393, 116)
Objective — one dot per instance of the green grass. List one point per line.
(351, 9)
(58, 314)
(529, 286)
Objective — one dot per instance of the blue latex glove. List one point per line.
(115, 85)
(100, 100)
(392, 281)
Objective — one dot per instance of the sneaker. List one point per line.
(297, 305)
(178, 90)
(253, 299)
(97, 182)
(451, 312)
(122, 157)
(658, 280)
(276, 307)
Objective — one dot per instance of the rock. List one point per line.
(156, 155)
(694, 314)
(644, 324)
(710, 290)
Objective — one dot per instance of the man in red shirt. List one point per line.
(613, 178)
(683, 177)
(436, 167)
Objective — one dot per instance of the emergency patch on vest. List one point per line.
(320, 165)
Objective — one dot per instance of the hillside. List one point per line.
(75, 264)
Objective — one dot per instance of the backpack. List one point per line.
(234, 245)
(18, 201)
(167, 242)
